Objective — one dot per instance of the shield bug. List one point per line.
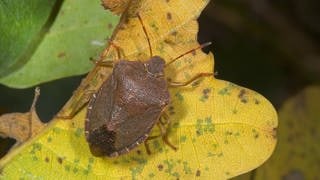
(129, 104)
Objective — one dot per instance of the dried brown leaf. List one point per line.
(21, 126)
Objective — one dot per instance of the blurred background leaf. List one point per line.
(22, 24)
(297, 154)
(79, 25)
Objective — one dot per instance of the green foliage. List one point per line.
(78, 33)
(20, 23)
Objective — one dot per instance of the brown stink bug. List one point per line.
(129, 104)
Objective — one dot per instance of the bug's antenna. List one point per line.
(190, 51)
(145, 32)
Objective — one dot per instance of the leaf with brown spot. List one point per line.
(218, 136)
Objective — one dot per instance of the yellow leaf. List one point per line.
(217, 135)
(298, 153)
(221, 129)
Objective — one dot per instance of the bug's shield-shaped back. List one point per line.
(122, 113)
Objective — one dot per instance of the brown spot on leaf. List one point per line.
(198, 173)
(168, 41)
(256, 101)
(46, 160)
(169, 16)
(194, 53)
(242, 96)
(110, 26)
(244, 100)
(61, 54)
(160, 167)
(206, 91)
(274, 133)
(174, 33)
(139, 152)
(242, 93)
(171, 110)
(205, 94)
(60, 160)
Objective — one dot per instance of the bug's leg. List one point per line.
(178, 84)
(165, 119)
(104, 54)
(146, 33)
(146, 143)
(164, 133)
(117, 49)
(104, 63)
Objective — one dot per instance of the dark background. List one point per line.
(270, 46)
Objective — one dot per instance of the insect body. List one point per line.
(129, 103)
(127, 106)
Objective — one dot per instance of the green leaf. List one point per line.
(79, 32)
(20, 25)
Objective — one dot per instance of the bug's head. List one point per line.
(155, 66)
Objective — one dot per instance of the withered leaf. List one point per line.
(21, 126)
